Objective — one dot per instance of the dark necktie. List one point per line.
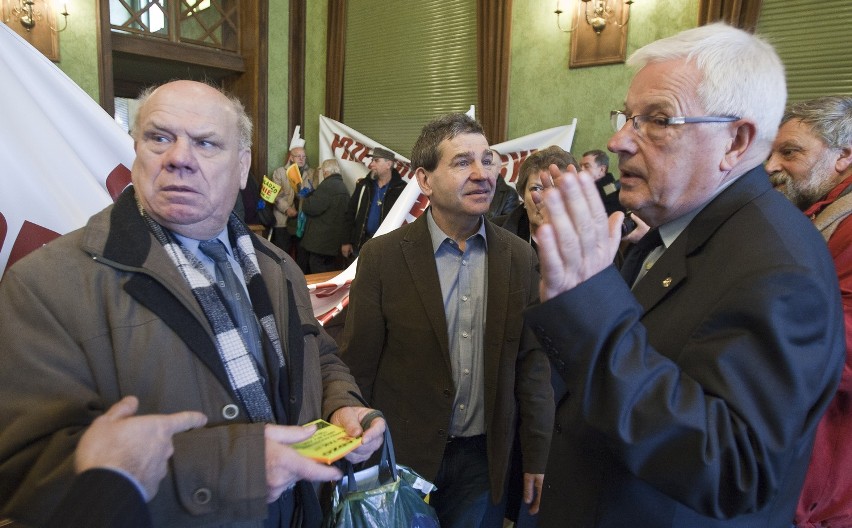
(638, 253)
(237, 301)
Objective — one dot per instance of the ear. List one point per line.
(738, 145)
(424, 180)
(245, 165)
(844, 160)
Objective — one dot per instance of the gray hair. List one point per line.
(329, 167)
(829, 117)
(244, 125)
(742, 74)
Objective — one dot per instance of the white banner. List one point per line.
(62, 159)
(351, 149)
(59, 152)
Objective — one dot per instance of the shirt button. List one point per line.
(464, 263)
(461, 406)
(466, 372)
(465, 335)
(464, 298)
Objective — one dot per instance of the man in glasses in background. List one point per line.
(693, 399)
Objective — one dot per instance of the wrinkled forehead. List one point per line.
(464, 144)
(189, 106)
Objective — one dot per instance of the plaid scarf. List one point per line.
(233, 350)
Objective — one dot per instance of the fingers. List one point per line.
(349, 418)
(375, 434)
(183, 421)
(123, 408)
(285, 467)
(288, 434)
(533, 483)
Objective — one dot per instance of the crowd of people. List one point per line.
(560, 370)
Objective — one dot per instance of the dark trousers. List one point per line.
(463, 497)
(282, 238)
(323, 263)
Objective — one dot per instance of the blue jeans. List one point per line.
(463, 497)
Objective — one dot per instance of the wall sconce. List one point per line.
(28, 15)
(601, 13)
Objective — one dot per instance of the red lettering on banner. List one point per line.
(31, 237)
(419, 206)
(360, 151)
(343, 144)
(117, 181)
(335, 143)
(405, 170)
(4, 226)
(513, 160)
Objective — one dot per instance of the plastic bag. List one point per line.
(385, 495)
(301, 222)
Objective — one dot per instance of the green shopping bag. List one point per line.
(385, 495)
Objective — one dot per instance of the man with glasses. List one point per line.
(692, 400)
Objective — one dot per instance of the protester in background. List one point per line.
(285, 233)
(372, 200)
(506, 199)
(692, 400)
(173, 300)
(811, 163)
(596, 163)
(435, 335)
(325, 229)
(523, 221)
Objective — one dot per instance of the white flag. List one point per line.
(59, 152)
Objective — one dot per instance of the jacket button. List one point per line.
(441, 432)
(447, 393)
(230, 411)
(202, 496)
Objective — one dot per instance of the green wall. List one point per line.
(544, 93)
(279, 129)
(315, 61)
(78, 46)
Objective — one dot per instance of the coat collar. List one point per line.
(418, 252)
(118, 236)
(671, 268)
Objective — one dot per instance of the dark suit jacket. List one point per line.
(697, 399)
(396, 346)
(100, 498)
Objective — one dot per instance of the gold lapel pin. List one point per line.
(667, 282)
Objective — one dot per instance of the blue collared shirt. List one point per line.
(463, 276)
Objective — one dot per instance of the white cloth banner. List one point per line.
(352, 149)
(62, 159)
(59, 152)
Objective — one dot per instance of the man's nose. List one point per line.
(623, 141)
(180, 155)
(772, 164)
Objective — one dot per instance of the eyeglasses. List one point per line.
(644, 123)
